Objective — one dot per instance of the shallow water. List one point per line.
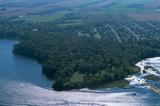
(22, 84)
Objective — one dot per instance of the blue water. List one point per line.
(18, 68)
(22, 84)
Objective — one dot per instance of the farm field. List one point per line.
(72, 22)
(146, 16)
(43, 18)
(50, 10)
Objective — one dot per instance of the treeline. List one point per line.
(76, 61)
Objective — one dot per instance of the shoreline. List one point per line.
(140, 66)
(112, 84)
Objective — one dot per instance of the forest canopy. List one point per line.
(78, 56)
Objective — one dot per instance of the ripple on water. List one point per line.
(20, 93)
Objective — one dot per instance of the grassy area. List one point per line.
(76, 3)
(125, 6)
(119, 83)
(77, 78)
(128, 2)
(127, 10)
(72, 22)
(43, 18)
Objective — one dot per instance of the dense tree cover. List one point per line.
(79, 61)
(76, 62)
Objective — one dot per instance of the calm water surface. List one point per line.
(18, 68)
(22, 84)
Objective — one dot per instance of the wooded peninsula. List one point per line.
(87, 55)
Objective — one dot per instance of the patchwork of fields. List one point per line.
(51, 10)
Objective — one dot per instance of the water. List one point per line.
(17, 68)
(22, 84)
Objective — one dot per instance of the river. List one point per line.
(22, 84)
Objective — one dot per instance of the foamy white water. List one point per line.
(152, 62)
(20, 93)
(150, 66)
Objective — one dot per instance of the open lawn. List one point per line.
(43, 18)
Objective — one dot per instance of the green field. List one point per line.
(127, 6)
(83, 7)
(43, 18)
(128, 2)
(72, 22)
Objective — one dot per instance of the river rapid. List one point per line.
(22, 84)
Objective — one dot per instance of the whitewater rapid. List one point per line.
(150, 66)
(153, 64)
